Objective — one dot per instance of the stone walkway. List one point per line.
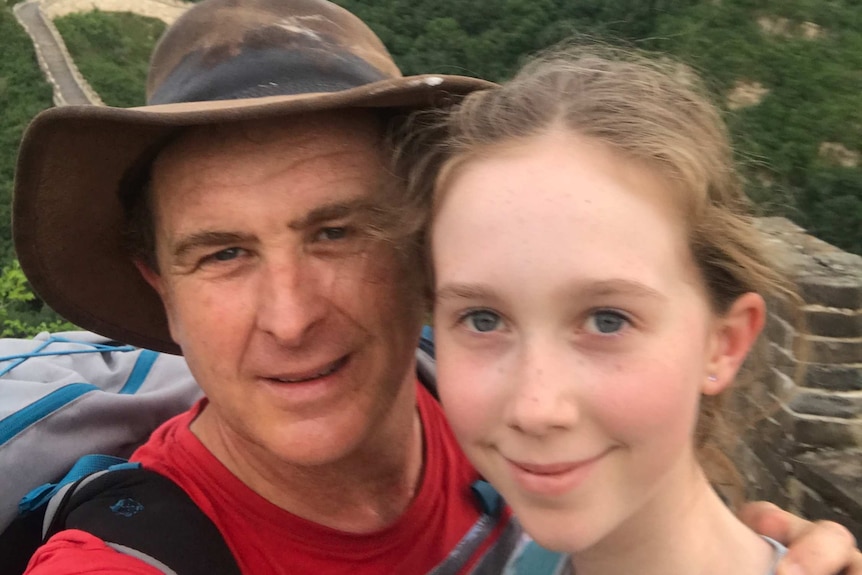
(70, 88)
(53, 58)
(165, 10)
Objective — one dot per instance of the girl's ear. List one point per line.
(735, 333)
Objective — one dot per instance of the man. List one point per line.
(254, 197)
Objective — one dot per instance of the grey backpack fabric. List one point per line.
(66, 395)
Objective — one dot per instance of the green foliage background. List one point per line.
(815, 86)
(23, 93)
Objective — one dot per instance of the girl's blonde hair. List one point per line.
(651, 109)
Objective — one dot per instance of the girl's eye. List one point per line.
(334, 233)
(606, 322)
(482, 320)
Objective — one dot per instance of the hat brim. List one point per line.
(67, 217)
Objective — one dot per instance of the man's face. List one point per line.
(299, 327)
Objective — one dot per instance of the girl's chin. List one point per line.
(571, 539)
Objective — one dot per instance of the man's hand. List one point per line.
(818, 548)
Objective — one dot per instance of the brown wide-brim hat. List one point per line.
(222, 61)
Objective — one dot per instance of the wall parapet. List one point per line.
(166, 10)
(807, 454)
(68, 85)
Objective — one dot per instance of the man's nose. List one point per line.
(292, 298)
(544, 396)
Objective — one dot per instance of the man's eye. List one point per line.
(335, 233)
(482, 321)
(224, 255)
(606, 322)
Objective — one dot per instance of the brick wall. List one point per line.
(806, 453)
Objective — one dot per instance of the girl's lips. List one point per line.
(553, 479)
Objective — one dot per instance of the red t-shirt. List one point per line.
(266, 539)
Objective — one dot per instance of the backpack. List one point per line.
(65, 396)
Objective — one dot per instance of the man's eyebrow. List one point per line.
(329, 212)
(207, 239)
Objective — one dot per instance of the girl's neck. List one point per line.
(684, 529)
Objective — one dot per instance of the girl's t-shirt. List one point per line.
(539, 560)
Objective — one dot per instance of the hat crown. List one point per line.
(229, 49)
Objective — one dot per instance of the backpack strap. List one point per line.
(426, 366)
(141, 513)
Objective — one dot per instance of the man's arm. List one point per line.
(814, 548)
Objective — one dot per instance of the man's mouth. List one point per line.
(326, 370)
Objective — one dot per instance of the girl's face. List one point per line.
(573, 333)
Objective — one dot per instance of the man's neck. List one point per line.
(685, 529)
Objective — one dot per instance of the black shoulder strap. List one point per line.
(145, 515)
(426, 370)
(18, 542)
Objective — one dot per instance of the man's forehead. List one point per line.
(352, 130)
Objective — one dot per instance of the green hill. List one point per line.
(23, 93)
(800, 144)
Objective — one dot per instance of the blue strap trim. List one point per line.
(24, 418)
(30, 354)
(489, 500)
(143, 364)
(19, 358)
(84, 466)
(95, 345)
(426, 340)
(536, 560)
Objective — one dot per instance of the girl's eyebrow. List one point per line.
(619, 286)
(464, 291)
(588, 289)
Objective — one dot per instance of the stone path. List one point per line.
(165, 10)
(53, 58)
(70, 88)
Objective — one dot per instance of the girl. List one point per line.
(597, 285)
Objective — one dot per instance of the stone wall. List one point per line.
(165, 10)
(805, 450)
(67, 83)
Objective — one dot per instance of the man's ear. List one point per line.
(157, 282)
(735, 334)
(151, 276)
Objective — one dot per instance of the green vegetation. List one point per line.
(23, 93)
(22, 314)
(815, 97)
(814, 84)
(112, 50)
